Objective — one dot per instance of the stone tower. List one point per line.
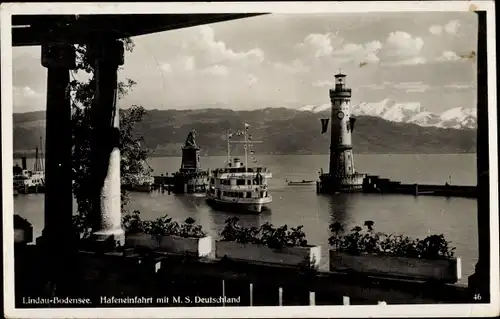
(190, 155)
(341, 157)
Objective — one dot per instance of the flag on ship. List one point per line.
(324, 125)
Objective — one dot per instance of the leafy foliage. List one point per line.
(133, 154)
(267, 234)
(366, 241)
(162, 226)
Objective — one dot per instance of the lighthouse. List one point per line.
(342, 175)
(341, 159)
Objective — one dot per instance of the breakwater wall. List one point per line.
(376, 184)
(181, 182)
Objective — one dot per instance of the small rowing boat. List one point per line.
(298, 183)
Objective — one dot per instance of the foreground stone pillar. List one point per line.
(58, 59)
(479, 282)
(106, 55)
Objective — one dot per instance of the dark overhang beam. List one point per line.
(82, 29)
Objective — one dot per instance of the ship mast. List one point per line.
(41, 154)
(245, 142)
(228, 147)
(246, 149)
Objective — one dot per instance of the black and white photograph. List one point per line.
(249, 159)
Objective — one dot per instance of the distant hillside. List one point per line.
(284, 131)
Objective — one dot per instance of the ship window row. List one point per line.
(241, 170)
(245, 194)
(239, 182)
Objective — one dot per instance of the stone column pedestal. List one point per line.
(106, 55)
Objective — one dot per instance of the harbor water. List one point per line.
(300, 205)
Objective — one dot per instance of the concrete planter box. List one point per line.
(291, 256)
(445, 270)
(172, 244)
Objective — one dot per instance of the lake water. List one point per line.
(300, 205)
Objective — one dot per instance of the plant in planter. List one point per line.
(266, 244)
(132, 223)
(164, 234)
(365, 251)
(190, 230)
(234, 232)
(187, 238)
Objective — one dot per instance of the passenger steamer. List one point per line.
(238, 186)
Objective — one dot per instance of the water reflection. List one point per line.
(339, 208)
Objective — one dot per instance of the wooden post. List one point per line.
(280, 296)
(479, 282)
(251, 295)
(312, 298)
(346, 301)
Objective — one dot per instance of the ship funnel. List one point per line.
(23, 163)
(237, 162)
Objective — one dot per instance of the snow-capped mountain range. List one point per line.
(411, 112)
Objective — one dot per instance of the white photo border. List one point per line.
(449, 310)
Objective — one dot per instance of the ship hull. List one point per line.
(238, 207)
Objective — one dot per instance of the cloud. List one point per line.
(450, 28)
(410, 87)
(331, 46)
(401, 48)
(373, 86)
(324, 83)
(166, 67)
(320, 44)
(436, 29)
(366, 53)
(459, 86)
(188, 63)
(297, 66)
(251, 80)
(26, 99)
(450, 56)
(210, 52)
(402, 44)
(412, 61)
(218, 70)
(25, 92)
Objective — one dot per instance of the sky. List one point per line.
(289, 60)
